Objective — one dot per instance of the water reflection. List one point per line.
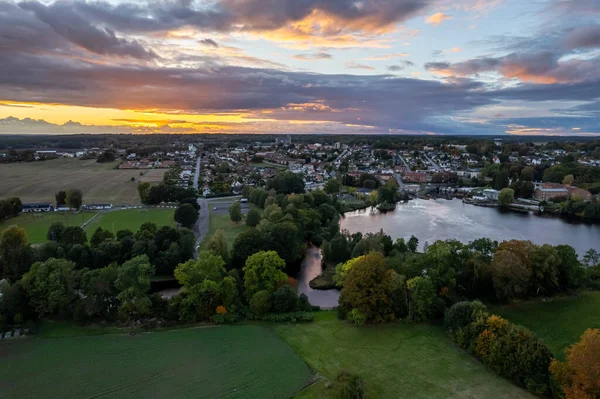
(311, 268)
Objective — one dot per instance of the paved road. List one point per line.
(435, 165)
(202, 225)
(399, 180)
(404, 162)
(197, 173)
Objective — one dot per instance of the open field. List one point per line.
(100, 183)
(409, 361)
(225, 362)
(36, 225)
(219, 219)
(560, 322)
(131, 219)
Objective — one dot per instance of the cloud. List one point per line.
(69, 24)
(355, 65)
(209, 43)
(401, 66)
(437, 18)
(583, 37)
(385, 57)
(312, 57)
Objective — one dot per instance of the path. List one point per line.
(197, 173)
(202, 225)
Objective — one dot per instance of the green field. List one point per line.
(100, 183)
(408, 361)
(221, 221)
(214, 362)
(560, 322)
(131, 219)
(36, 224)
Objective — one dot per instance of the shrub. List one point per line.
(284, 299)
(303, 304)
(461, 314)
(292, 317)
(348, 386)
(260, 303)
(357, 317)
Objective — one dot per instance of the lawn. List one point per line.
(100, 183)
(36, 225)
(409, 361)
(560, 322)
(225, 362)
(131, 219)
(221, 221)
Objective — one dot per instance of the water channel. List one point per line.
(442, 220)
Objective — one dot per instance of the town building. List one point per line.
(415, 177)
(38, 207)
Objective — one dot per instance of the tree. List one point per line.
(100, 236)
(422, 294)
(218, 245)
(506, 197)
(253, 218)
(284, 299)
(144, 192)
(61, 198)
(348, 386)
(579, 376)
(208, 267)
(235, 212)
(568, 180)
(510, 275)
(186, 215)
(15, 252)
(100, 292)
(73, 235)
(50, 285)
(413, 244)
(366, 290)
(74, 198)
(55, 231)
(133, 284)
(261, 302)
(527, 173)
(263, 271)
(248, 242)
(332, 186)
(591, 258)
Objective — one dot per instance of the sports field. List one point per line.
(131, 219)
(213, 362)
(560, 322)
(220, 220)
(36, 225)
(100, 183)
(408, 361)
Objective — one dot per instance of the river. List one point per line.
(442, 220)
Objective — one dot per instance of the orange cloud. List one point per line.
(437, 18)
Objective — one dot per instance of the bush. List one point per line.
(357, 317)
(304, 305)
(461, 314)
(284, 299)
(292, 317)
(348, 386)
(260, 303)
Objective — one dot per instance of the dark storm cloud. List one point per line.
(69, 24)
(229, 15)
(209, 42)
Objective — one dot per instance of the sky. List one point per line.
(430, 67)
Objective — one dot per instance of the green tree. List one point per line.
(73, 235)
(208, 267)
(74, 198)
(568, 180)
(422, 294)
(527, 173)
(247, 243)
(253, 218)
(510, 275)
(186, 215)
(55, 231)
(61, 198)
(144, 192)
(100, 236)
(332, 186)
(284, 299)
(261, 302)
(50, 286)
(413, 244)
(235, 212)
(367, 290)
(506, 197)
(218, 245)
(133, 284)
(263, 271)
(15, 252)
(100, 292)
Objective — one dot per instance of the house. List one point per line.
(98, 207)
(496, 160)
(579, 193)
(412, 188)
(415, 177)
(548, 191)
(38, 207)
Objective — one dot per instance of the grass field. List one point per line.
(559, 322)
(100, 183)
(221, 221)
(36, 225)
(213, 362)
(131, 219)
(409, 361)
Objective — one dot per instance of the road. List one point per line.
(404, 162)
(435, 165)
(202, 225)
(197, 173)
(399, 180)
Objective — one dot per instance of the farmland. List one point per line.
(225, 362)
(560, 322)
(131, 219)
(100, 183)
(418, 361)
(36, 225)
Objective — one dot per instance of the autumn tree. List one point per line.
(579, 376)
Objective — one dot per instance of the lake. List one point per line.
(442, 220)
